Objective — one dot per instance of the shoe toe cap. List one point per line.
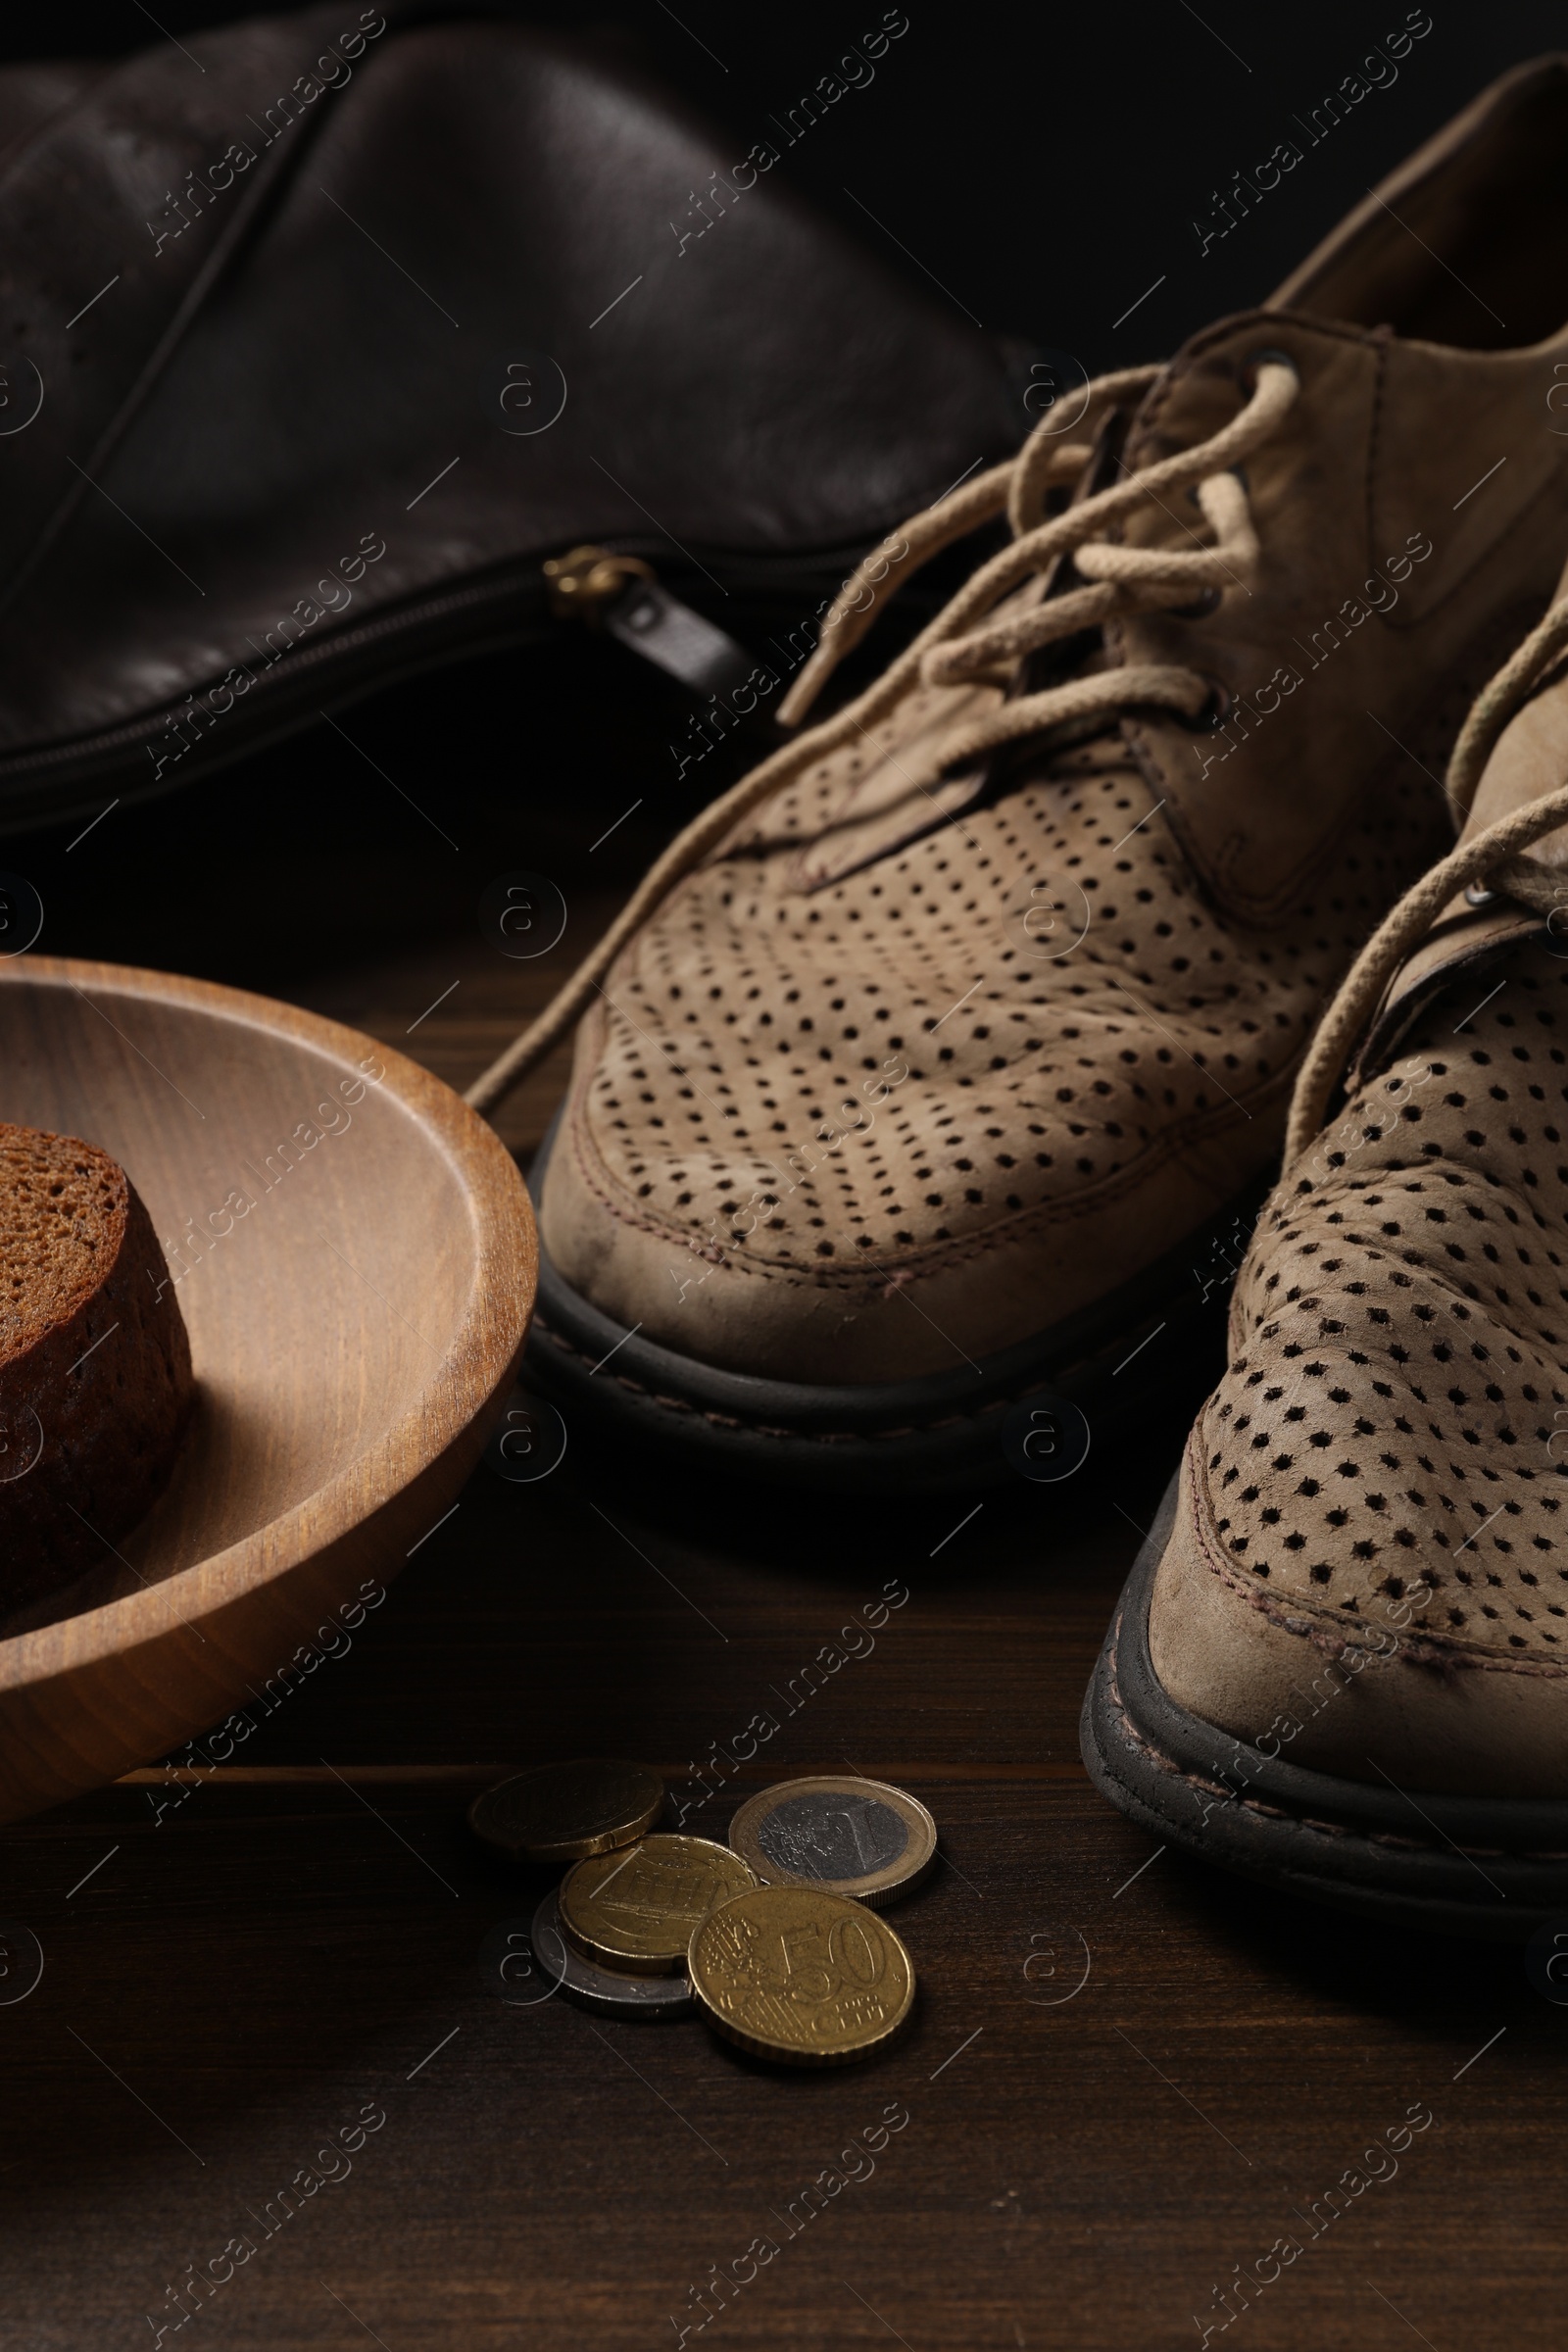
(1370, 1560)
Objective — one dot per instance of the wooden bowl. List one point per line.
(356, 1263)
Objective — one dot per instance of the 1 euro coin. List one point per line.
(848, 1837)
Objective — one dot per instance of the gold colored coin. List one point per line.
(638, 1910)
(803, 1977)
(560, 1812)
(846, 1836)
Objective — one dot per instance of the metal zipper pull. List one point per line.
(624, 595)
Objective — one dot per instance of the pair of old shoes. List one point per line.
(927, 1064)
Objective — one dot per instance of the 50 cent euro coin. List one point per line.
(802, 1976)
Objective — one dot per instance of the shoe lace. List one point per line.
(1493, 859)
(969, 643)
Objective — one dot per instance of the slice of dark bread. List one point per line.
(95, 1377)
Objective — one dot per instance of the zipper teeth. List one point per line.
(744, 571)
(302, 657)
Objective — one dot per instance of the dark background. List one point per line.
(1039, 167)
(1043, 163)
(1084, 2162)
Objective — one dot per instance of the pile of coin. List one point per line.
(774, 1940)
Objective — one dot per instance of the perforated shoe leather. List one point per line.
(923, 1072)
(1361, 1592)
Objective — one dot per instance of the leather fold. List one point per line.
(326, 331)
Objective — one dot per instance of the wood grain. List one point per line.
(240, 1953)
(354, 1255)
(1080, 2167)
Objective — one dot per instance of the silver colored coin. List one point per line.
(603, 1989)
(851, 1837)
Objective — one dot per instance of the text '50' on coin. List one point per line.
(560, 1812)
(637, 1910)
(849, 1837)
(796, 1974)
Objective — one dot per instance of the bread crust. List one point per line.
(95, 1373)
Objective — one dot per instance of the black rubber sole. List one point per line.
(1489, 1867)
(1149, 1345)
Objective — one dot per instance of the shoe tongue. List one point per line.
(886, 808)
(1529, 760)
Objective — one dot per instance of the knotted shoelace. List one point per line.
(965, 645)
(1493, 859)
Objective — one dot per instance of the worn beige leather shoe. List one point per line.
(930, 1069)
(1342, 1661)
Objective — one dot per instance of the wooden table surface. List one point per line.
(1127, 2078)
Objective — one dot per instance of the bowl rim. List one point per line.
(484, 1342)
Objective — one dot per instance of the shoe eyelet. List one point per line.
(1206, 602)
(1212, 714)
(1215, 711)
(1478, 894)
(1258, 359)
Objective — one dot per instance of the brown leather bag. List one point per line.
(313, 358)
